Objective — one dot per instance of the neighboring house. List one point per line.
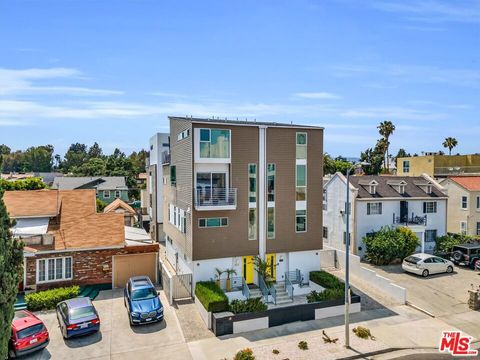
(16, 176)
(158, 155)
(436, 165)
(234, 190)
(463, 204)
(108, 188)
(67, 242)
(121, 207)
(376, 201)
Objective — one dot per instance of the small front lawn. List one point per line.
(211, 296)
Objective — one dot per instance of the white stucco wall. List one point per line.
(306, 261)
(156, 148)
(204, 270)
(182, 266)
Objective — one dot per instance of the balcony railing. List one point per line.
(165, 157)
(456, 170)
(216, 198)
(412, 220)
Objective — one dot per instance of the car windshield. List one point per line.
(412, 259)
(82, 312)
(32, 330)
(144, 294)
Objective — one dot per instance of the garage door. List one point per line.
(126, 266)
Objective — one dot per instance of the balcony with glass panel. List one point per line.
(215, 198)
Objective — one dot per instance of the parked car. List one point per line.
(29, 334)
(426, 264)
(467, 255)
(142, 301)
(77, 316)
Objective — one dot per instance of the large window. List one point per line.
(252, 183)
(301, 221)
(177, 217)
(214, 143)
(464, 202)
(374, 208)
(213, 222)
(252, 224)
(301, 183)
(271, 182)
(271, 223)
(429, 207)
(406, 166)
(54, 269)
(430, 235)
(301, 148)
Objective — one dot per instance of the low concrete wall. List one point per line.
(380, 283)
(204, 314)
(297, 290)
(250, 325)
(327, 258)
(335, 311)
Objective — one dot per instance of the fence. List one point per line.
(176, 286)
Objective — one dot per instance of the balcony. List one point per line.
(165, 157)
(456, 170)
(409, 221)
(216, 199)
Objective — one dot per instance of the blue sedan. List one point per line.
(142, 301)
(77, 316)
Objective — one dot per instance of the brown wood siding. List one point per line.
(281, 150)
(211, 243)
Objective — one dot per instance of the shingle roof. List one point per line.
(471, 183)
(241, 122)
(118, 203)
(77, 226)
(386, 187)
(96, 182)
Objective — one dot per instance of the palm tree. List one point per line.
(230, 272)
(386, 128)
(218, 275)
(450, 143)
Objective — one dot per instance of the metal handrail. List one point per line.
(413, 220)
(263, 287)
(294, 276)
(288, 286)
(245, 289)
(273, 292)
(216, 197)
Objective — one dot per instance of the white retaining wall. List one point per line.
(327, 258)
(204, 314)
(380, 283)
(335, 311)
(250, 325)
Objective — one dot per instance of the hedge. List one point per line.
(48, 299)
(326, 280)
(211, 296)
(327, 294)
(247, 306)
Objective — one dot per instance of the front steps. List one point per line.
(282, 294)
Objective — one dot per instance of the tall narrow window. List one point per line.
(252, 224)
(51, 269)
(464, 202)
(271, 223)
(252, 183)
(301, 182)
(173, 175)
(406, 166)
(271, 182)
(301, 221)
(301, 148)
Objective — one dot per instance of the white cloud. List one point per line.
(318, 95)
(11, 123)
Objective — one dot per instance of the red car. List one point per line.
(29, 334)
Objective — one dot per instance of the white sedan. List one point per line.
(426, 264)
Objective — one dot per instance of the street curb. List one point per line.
(384, 351)
(408, 303)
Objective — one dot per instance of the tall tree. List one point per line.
(450, 143)
(375, 158)
(138, 161)
(76, 155)
(386, 129)
(92, 167)
(11, 261)
(95, 151)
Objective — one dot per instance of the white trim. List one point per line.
(105, 192)
(262, 191)
(400, 198)
(199, 121)
(301, 162)
(300, 205)
(77, 250)
(46, 260)
(119, 194)
(210, 160)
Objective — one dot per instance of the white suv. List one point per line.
(426, 264)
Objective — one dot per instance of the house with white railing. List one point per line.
(419, 203)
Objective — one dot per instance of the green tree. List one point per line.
(328, 164)
(11, 261)
(389, 244)
(75, 156)
(26, 184)
(375, 158)
(39, 158)
(138, 160)
(95, 151)
(386, 129)
(450, 143)
(101, 205)
(402, 153)
(92, 167)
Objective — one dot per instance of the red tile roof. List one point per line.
(471, 183)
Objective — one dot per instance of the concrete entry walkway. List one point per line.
(191, 323)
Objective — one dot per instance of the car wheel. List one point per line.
(476, 264)
(425, 273)
(449, 269)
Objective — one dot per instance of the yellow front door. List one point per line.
(248, 269)
(271, 266)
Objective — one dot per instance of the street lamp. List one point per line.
(347, 251)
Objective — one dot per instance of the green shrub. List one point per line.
(363, 332)
(48, 299)
(390, 244)
(444, 244)
(245, 354)
(275, 351)
(326, 280)
(303, 345)
(211, 296)
(249, 305)
(327, 294)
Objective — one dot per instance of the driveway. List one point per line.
(443, 295)
(117, 339)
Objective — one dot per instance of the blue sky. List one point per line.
(112, 71)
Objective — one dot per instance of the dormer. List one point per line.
(399, 186)
(426, 186)
(372, 187)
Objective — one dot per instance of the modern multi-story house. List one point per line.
(234, 190)
(437, 165)
(108, 188)
(463, 204)
(158, 154)
(376, 201)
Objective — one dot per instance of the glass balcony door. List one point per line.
(211, 187)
